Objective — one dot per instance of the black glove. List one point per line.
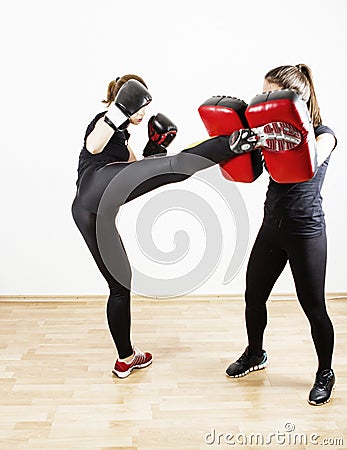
(131, 97)
(161, 132)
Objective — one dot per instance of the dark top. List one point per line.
(115, 150)
(297, 207)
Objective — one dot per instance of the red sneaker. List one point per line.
(140, 360)
(274, 136)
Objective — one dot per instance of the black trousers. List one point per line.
(307, 257)
(102, 190)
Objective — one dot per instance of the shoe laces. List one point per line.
(322, 380)
(139, 356)
(244, 358)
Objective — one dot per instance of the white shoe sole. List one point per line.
(251, 369)
(128, 372)
(323, 403)
(277, 136)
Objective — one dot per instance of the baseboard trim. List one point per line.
(193, 297)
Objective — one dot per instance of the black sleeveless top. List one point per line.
(297, 207)
(115, 150)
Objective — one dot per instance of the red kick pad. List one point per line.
(292, 165)
(222, 115)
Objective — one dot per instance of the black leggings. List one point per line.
(307, 258)
(102, 190)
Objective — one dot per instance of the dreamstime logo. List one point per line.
(197, 209)
(287, 437)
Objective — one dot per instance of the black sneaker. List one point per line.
(242, 141)
(322, 388)
(247, 363)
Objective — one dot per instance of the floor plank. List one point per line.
(57, 391)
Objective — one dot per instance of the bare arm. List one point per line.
(99, 137)
(132, 156)
(325, 145)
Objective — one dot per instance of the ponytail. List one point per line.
(312, 103)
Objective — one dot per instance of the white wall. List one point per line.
(57, 59)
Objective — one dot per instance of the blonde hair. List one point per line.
(298, 78)
(115, 85)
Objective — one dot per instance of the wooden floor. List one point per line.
(57, 391)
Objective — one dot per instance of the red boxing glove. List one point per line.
(222, 115)
(284, 114)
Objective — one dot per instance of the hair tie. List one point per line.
(118, 78)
